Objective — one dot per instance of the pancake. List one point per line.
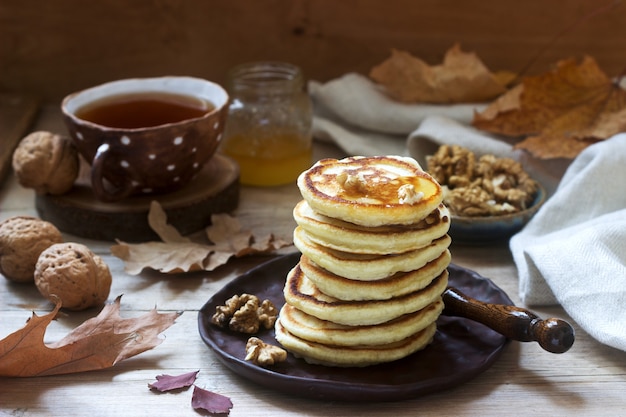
(310, 328)
(370, 191)
(396, 285)
(301, 293)
(349, 237)
(367, 267)
(357, 356)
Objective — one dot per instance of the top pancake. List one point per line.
(370, 191)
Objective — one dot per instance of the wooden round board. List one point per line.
(214, 190)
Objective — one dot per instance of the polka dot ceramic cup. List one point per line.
(146, 159)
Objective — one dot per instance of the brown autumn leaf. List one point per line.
(157, 220)
(169, 258)
(209, 401)
(461, 78)
(560, 112)
(177, 254)
(166, 383)
(98, 343)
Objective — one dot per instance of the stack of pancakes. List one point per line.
(373, 236)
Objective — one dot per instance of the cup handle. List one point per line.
(102, 192)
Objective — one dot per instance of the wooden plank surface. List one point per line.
(17, 113)
(54, 48)
(588, 380)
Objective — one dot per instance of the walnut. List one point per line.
(75, 275)
(352, 183)
(264, 354)
(267, 314)
(484, 187)
(245, 314)
(408, 195)
(46, 162)
(451, 161)
(22, 239)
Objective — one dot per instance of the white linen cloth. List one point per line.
(573, 251)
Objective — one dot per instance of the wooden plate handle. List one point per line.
(553, 335)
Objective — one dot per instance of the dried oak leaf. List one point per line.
(157, 220)
(166, 383)
(98, 343)
(176, 254)
(210, 401)
(560, 112)
(170, 258)
(461, 78)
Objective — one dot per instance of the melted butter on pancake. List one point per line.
(371, 191)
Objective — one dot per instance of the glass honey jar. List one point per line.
(268, 130)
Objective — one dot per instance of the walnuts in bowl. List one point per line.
(485, 186)
(22, 239)
(75, 275)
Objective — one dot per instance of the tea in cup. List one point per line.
(146, 135)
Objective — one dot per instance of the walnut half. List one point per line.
(264, 354)
(245, 314)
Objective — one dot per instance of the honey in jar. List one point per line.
(268, 131)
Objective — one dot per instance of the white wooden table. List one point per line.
(588, 380)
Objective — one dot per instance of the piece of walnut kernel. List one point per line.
(246, 318)
(264, 354)
(245, 313)
(408, 195)
(267, 314)
(353, 183)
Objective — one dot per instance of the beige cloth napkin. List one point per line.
(352, 112)
(357, 101)
(573, 252)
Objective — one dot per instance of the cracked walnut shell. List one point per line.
(46, 162)
(22, 239)
(73, 274)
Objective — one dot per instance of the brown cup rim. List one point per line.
(118, 87)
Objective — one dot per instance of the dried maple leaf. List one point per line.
(166, 383)
(178, 254)
(210, 401)
(98, 343)
(562, 111)
(461, 78)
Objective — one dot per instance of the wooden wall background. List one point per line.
(53, 47)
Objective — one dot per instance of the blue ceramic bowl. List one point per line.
(491, 229)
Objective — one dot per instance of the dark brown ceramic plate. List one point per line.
(461, 349)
